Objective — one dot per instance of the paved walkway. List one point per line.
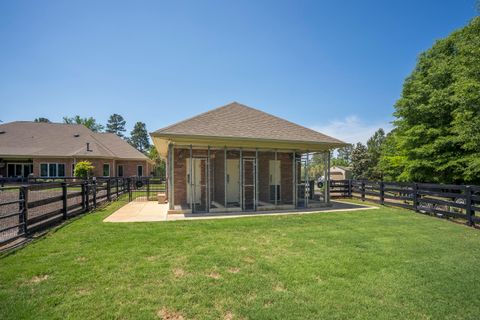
(138, 211)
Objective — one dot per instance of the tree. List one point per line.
(41, 119)
(139, 137)
(374, 148)
(83, 169)
(159, 166)
(90, 122)
(345, 154)
(116, 124)
(360, 161)
(437, 126)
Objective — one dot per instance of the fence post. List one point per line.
(64, 200)
(116, 189)
(129, 190)
(415, 197)
(349, 191)
(94, 182)
(363, 190)
(83, 196)
(109, 192)
(382, 193)
(24, 208)
(148, 188)
(468, 206)
(87, 196)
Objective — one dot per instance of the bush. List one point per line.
(83, 169)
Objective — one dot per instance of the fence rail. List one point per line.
(443, 200)
(26, 209)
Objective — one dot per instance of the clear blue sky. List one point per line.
(336, 66)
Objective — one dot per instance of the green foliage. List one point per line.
(159, 166)
(359, 161)
(83, 169)
(90, 122)
(41, 119)
(139, 137)
(116, 124)
(437, 134)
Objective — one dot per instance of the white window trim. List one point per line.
(109, 171)
(48, 169)
(138, 166)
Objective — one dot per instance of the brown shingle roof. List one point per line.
(236, 120)
(33, 139)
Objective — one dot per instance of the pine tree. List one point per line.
(116, 124)
(139, 137)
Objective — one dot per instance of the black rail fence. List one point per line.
(442, 200)
(36, 206)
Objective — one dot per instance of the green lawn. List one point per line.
(387, 263)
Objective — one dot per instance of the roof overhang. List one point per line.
(161, 142)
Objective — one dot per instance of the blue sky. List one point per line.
(335, 66)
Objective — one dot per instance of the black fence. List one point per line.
(442, 200)
(146, 189)
(26, 209)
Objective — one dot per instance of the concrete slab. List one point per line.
(153, 211)
(139, 211)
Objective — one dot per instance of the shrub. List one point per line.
(83, 169)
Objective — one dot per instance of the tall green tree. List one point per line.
(373, 170)
(41, 119)
(345, 153)
(360, 161)
(139, 137)
(116, 124)
(437, 126)
(90, 122)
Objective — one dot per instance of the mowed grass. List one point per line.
(386, 263)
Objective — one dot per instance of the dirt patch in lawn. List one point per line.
(166, 314)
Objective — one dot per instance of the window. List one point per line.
(140, 171)
(73, 169)
(61, 170)
(19, 169)
(52, 170)
(43, 170)
(120, 170)
(106, 170)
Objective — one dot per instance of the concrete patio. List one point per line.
(146, 211)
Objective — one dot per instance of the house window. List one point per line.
(120, 170)
(73, 169)
(140, 171)
(61, 170)
(43, 170)
(106, 170)
(19, 169)
(52, 170)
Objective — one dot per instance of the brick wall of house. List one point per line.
(180, 176)
(129, 166)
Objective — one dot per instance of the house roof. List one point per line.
(236, 120)
(34, 139)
